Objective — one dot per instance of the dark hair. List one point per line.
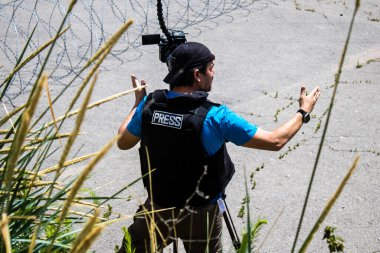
(187, 78)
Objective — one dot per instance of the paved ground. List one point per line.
(264, 52)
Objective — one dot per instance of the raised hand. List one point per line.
(141, 93)
(307, 102)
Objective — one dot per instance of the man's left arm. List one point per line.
(127, 140)
(276, 139)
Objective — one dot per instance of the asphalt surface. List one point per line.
(264, 53)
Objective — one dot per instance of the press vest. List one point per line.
(181, 173)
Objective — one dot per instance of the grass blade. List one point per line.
(337, 79)
(5, 232)
(15, 149)
(329, 205)
(79, 181)
(10, 115)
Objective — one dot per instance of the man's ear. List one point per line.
(196, 75)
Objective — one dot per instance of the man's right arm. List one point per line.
(276, 139)
(127, 140)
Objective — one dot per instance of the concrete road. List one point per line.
(264, 53)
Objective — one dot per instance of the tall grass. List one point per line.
(39, 206)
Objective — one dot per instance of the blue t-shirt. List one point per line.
(220, 125)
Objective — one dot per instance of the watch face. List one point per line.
(306, 118)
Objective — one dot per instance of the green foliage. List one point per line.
(241, 212)
(290, 149)
(108, 213)
(64, 233)
(276, 115)
(334, 242)
(242, 208)
(34, 200)
(128, 241)
(252, 180)
(255, 231)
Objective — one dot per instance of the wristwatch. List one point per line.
(305, 116)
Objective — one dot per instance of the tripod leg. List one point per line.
(230, 225)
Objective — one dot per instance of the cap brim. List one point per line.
(168, 77)
(173, 76)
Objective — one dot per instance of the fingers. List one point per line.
(315, 91)
(134, 81)
(303, 91)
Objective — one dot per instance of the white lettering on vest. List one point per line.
(167, 119)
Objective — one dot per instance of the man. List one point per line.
(183, 152)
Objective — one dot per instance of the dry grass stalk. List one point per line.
(373, 60)
(64, 155)
(18, 217)
(89, 239)
(51, 109)
(321, 144)
(65, 164)
(10, 120)
(113, 97)
(97, 103)
(329, 205)
(38, 183)
(71, 6)
(16, 147)
(49, 138)
(270, 230)
(38, 140)
(24, 171)
(78, 124)
(22, 149)
(25, 121)
(152, 224)
(108, 46)
(88, 204)
(86, 230)
(33, 241)
(4, 131)
(82, 177)
(34, 54)
(109, 43)
(79, 213)
(10, 115)
(5, 232)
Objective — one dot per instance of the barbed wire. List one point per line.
(90, 24)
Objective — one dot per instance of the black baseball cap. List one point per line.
(186, 56)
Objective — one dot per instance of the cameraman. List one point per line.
(183, 138)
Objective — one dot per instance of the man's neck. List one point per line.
(185, 89)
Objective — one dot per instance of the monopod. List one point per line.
(228, 220)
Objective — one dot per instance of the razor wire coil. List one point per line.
(91, 23)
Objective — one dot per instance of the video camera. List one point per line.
(166, 44)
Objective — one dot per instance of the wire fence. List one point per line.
(90, 24)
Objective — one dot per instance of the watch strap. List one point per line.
(305, 116)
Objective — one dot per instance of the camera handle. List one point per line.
(162, 22)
